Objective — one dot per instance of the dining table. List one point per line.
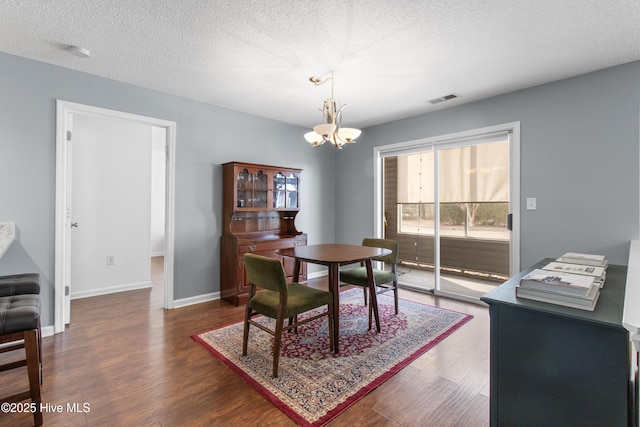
(334, 255)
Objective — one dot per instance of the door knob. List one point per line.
(74, 224)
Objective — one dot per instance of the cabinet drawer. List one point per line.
(273, 245)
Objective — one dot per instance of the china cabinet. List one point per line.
(259, 208)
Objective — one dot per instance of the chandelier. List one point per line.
(330, 130)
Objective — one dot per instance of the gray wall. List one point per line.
(579, 158)
(206, 137)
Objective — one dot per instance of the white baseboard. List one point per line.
(184, 302)
(48, 331)
(110, 290)
(317, 274)
(156, 254)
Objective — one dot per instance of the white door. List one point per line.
(111, 206)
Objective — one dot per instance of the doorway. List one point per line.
(452, 203)
(85, 118)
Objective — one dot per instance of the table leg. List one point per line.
(296, 270)
(295, 279)
(334, 288)
(373, 300)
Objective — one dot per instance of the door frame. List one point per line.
(432, 143)
(64, 115)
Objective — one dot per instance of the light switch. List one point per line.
(531, 203)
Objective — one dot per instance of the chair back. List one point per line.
(392, 245)
(266, 273)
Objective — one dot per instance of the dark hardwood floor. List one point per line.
(134, 364)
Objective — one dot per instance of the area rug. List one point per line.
(313, 385)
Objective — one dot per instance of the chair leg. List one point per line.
(32, 352)
(395, 294)
(277, 340)
(245, 335)
(40, 349)
(365, 295)
(291, 322)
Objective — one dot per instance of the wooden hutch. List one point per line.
(259, 208)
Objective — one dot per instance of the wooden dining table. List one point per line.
(333, 255)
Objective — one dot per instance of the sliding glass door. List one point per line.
(448, 203)
(473, 193)
(409, 215)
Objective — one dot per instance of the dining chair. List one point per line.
(385, 280)
(20, 329)
(279, 300)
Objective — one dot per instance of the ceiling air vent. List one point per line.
(443, 98)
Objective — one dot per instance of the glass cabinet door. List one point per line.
(285, 191)
(252, 189)
(260, 190)
(292, 191)
(279, 190)
(245, 189)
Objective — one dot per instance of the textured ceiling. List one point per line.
(389, 58)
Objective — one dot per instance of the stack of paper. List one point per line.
(598, 273)
(562, 282)
(584, 259)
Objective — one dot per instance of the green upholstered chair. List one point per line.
(279, 300)
(385, 280)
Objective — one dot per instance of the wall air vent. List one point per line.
(443, 98)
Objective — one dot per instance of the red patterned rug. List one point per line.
(313, 385)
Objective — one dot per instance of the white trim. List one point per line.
(184, 302)
(451, 140)
(63, 110)
(630, 313)
(60, 219)
(378, 183)
(111, 290)
(47, 331)
(170, 215)
(321, 273)
(436, 220)
(514, 198)
(459, 297)
(439, 293)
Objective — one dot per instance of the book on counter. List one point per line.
(599, 273)
(587, 302)
(583, 259)
(573, 280)
(559, 282)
